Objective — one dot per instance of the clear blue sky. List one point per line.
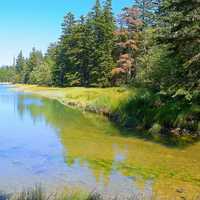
(28, 23)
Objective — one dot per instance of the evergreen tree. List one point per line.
(180, 22)
(109, 40)
(34, 60)
(19, 67)
(63, 60)
(103, 33)
(20, 62)
(148, 9)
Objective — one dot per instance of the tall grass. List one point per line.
(37, 193)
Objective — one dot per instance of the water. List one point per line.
(41, 141)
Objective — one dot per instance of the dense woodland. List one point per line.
(153, 46)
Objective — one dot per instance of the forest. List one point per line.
(152, 46)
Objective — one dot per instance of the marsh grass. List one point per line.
(91, 99)
(38, 193)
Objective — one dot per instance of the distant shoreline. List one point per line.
(5, 83)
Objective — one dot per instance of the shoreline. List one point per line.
(101, 103)
(105, 102)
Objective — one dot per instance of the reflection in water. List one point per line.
(41, 141)
(93, 159)
(44, 142)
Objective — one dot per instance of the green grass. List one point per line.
(99, 100)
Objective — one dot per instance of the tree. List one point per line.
(102, 25)
(129, 41)
(180, 21)
(7, 74)
(35, 59)
(148, 9)
(63, 60)
(20, 62)
(19, 67)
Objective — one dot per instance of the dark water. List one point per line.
(43, 142)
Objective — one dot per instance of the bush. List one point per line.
(159, 113)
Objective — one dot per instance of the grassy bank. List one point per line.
(98, 100)
(156, 116)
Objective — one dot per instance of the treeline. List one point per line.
(83, 56)
(154, 45)
(154, 42)
(6, 74)
(97, 50)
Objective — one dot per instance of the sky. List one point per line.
(36, 23)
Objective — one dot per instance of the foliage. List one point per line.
(158, 112)
(180, 30)
(6, 74)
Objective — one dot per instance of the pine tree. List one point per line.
(148, 9)
(180, 22)
(63, 62)
(35, 59)
(84, 50)
(109, 39)
(20, 62)
(19, 67)
(96, 21)
(103, 34)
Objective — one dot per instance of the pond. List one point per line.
(44, 142)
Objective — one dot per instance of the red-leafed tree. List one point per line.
(128, 43)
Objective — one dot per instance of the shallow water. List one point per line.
(41, 141)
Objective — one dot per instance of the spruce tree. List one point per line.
(35, 59)
(103, 34)
(20, 62)
(109, 39)
(148, 9)
(180, 22)
(63, 62)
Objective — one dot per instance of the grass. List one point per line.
(37, 193)
(98, 100)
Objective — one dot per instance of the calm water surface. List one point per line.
(41, 141)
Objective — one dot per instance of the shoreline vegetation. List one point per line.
(102, 101)
(38, 193)
(113, 104)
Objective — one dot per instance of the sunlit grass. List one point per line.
(93, 99)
